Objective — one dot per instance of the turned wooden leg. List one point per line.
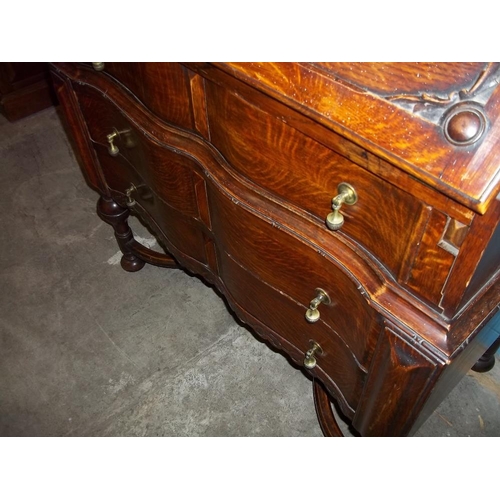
(324, 412)
(115, 215)
(487, 360)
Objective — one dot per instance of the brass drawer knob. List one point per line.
(312, 314)
(98, 66)
(309, 359)
(347, 194)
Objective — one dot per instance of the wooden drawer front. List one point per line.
(286, 317)
(167, 173)
(290, 266)
(299, 170)
(162, 87)
(181, 231)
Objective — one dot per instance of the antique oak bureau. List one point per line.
(347, 212)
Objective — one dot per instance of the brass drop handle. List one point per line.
(312, 314)
(310, 360)
(125, 136)
(128, 193)
(347, 194)
(99, 66)
(113, 148)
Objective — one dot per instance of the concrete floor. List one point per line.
(87, 349)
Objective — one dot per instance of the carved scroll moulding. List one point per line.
(460, 113)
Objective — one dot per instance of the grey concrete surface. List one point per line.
(87, 349)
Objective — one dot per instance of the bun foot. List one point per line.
(487, 361)
(131, 263)
(484, 365)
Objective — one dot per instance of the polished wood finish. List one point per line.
(234, 167)
(287, 147)
(376, 116)
(25, 88)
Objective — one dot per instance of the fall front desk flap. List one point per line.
(437, 121)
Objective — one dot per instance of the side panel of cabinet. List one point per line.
(399, 381)
(76, 122)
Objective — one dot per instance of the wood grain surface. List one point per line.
(235, 166)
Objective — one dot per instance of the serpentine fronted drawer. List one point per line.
(281, 271)
(392, 226)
